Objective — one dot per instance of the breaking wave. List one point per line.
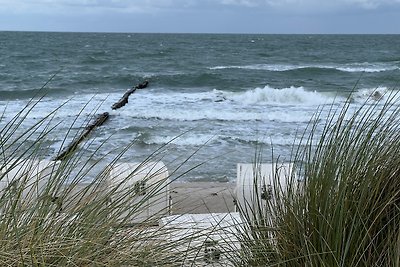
(284, 96)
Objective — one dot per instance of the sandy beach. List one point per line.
(202, 197)
(187, 197)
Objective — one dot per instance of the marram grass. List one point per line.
(344, 213)
(347, 212)
(65, 224)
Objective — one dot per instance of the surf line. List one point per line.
(99, 121)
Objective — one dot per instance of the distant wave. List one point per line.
(367, 67)
(351, 67)
(267, 67)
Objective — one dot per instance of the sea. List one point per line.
(213, 100)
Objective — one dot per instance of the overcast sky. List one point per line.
(199, 16)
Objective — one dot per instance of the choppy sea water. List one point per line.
(218, 96)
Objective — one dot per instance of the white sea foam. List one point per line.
(379, 94)
(267, 94)
(351, 67)
(367, 67)
(79, 108)
(277, 139)
(268, 67)
(365, 93)
(260, 104)
(231, 115)
(184, 140)
(292, 104)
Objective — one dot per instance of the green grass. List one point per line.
(55, 221)
(348, 213)
(345, 213)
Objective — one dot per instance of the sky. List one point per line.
(203, 16)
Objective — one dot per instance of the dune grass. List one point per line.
(347, 212)
(48, 218)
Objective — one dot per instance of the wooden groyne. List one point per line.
(124, 100)
(98, 121)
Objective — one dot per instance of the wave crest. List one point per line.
(291, 95)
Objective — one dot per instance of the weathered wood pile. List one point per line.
(124, 100)
(98, 121)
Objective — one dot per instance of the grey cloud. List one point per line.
(159, 5)
(369, 4)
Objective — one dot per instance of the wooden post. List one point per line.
(124, 100)
(74, 145)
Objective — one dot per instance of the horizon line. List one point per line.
(211, 33)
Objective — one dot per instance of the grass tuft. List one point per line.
(348, 210)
